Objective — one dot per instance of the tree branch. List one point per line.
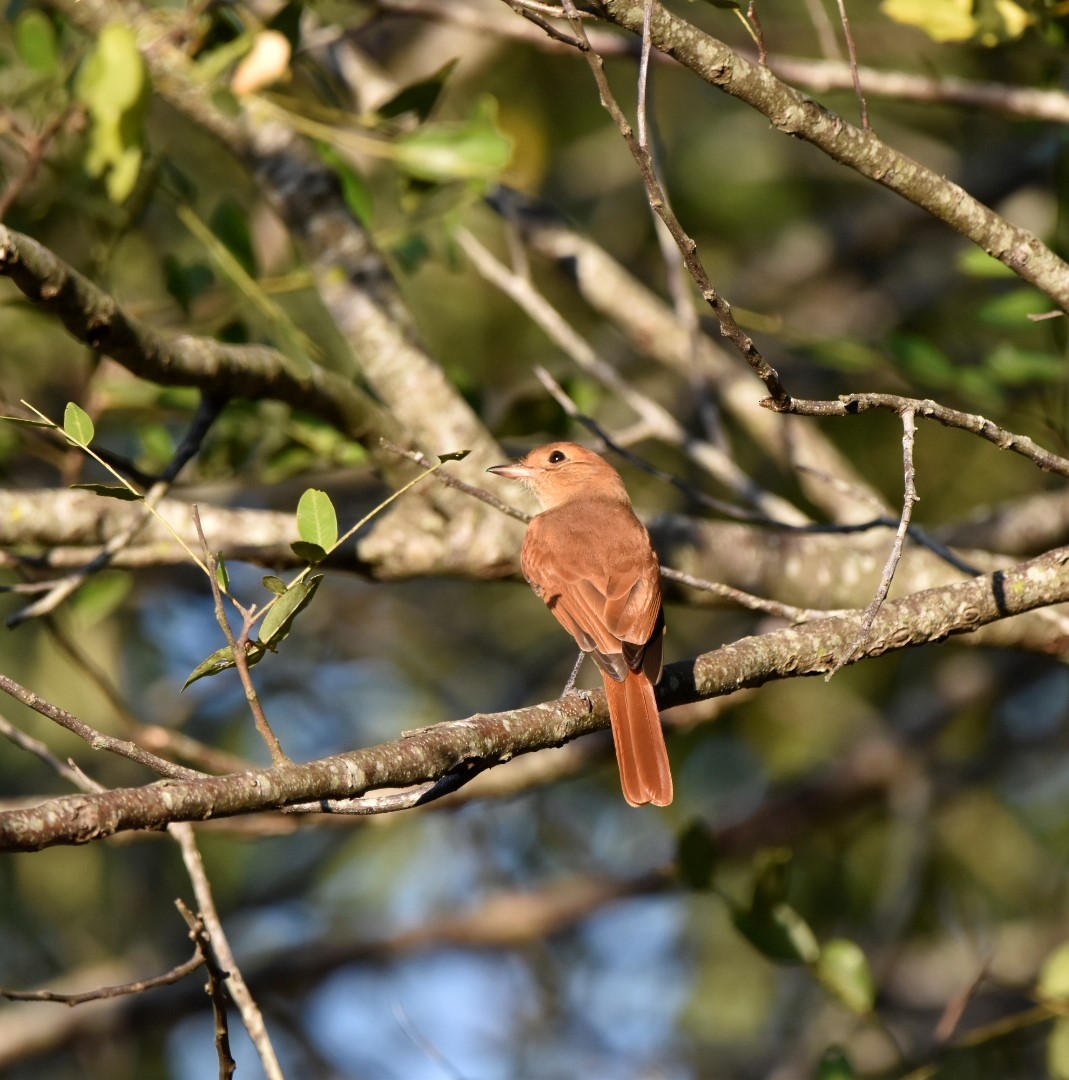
(794, 113)
(811, 649)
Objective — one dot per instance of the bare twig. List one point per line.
(250, 1011)
(853, 404)
(661, 421)
(851, 49)
(239, 650)
(139, 986)
(909, 499)
(687, 246)
(96, 739)
(65, 769)
(216, 988)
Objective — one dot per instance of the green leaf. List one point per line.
(779, 933)
(975, 262)
(473, 149)
(1013, 308)
(113, 85)
(110, 491)
(354, 189)
(222, 576)
(696, 855)
(835, 1065)
(275, 584)
(924, 361)
(279, 620)
(35, 40)
(844, 970)
(77, 424)
(317, 521)
(1020, 367)
(311, 553)
(770, 924)
(230, 224)
(222, 660)
(420, 97)
(100, 597)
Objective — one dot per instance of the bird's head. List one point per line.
(563, 471)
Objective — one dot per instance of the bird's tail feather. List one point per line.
(640, 751)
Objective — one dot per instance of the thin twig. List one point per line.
(96, 739)
(451, 481)
(662, 422)
(238, 650)
(909, 499)
(852, 50)
(239, 991)
(66, 770)
(216, 988)
(139, 986)
(854, 404)
(58, 591)
(687, 246)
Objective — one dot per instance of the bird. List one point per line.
(591, 560)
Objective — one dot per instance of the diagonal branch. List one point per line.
(794, 113)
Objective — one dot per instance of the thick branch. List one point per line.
(427, 754)
(222, 371)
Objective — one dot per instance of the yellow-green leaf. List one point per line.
(317, 521)
(279, 620)
(844, 969)
(77, 424)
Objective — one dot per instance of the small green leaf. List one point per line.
(354, 188)
(110, 491)
(420, 97)
(844, 969)
(779, 933)
(311, 553)
(100, 597)
(275, 584)
(221, 660)
(77, 424)
(113, 85)
(976, 262)
(230, 224)
(696, 855)
(473, 149)
(279, 620)
(1013, 308)
(317, 521)
(221, 574)
(35, 40)
(835, 1065)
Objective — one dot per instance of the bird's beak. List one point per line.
(512, 472)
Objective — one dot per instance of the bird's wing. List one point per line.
(606, 594)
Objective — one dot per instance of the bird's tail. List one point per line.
(636, 730)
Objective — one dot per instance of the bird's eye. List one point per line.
(556, 457)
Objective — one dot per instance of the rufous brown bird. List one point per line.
(591, 560)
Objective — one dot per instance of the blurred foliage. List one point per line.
(869, 875)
